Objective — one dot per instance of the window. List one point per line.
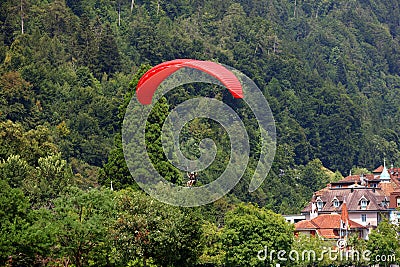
(336, 203)
(385, 202)
(363, 203)
(398, 201)
(320, 204)
(364, 217)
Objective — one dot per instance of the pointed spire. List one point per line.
(385, 176)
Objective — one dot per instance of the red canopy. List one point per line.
(149, 82)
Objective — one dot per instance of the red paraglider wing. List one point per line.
(149, 82)
(225, 76)
(173, 65)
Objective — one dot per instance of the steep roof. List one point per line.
(332, 221)
(388, 188)
(356, 179)
(326, 225)
(378, 170)
(375, 196)
(385, 176)
(305, 224)
(328, 233)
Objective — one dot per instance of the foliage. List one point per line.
(14, 210)
(82, 222)
(68, 69)
(305, 243)
(26, 235)
(214, 253)
(248, 230)
(154, 232)
(29, 145)
(383, 242)
(154, 146)
(329, 73)
(15, 170)
(313, 175)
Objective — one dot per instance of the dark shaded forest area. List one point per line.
(328, 68)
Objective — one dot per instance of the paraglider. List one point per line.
(192, 179)
(149, 82)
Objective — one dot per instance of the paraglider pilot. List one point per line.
(192, 179)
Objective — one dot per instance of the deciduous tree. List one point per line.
(248, 230)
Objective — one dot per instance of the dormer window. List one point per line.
(336, 202)
(385, 202)
(363, 203)
(320, 204)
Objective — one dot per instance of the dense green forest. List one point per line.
(328, 68)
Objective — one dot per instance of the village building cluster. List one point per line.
(353, 205)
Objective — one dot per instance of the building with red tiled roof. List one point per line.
(368, 199)
(328, 226)
(378, 170)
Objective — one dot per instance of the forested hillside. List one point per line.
(328, 68)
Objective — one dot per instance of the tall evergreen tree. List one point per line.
(108, 57)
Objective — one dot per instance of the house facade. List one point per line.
(330, 226)
(367, 199)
